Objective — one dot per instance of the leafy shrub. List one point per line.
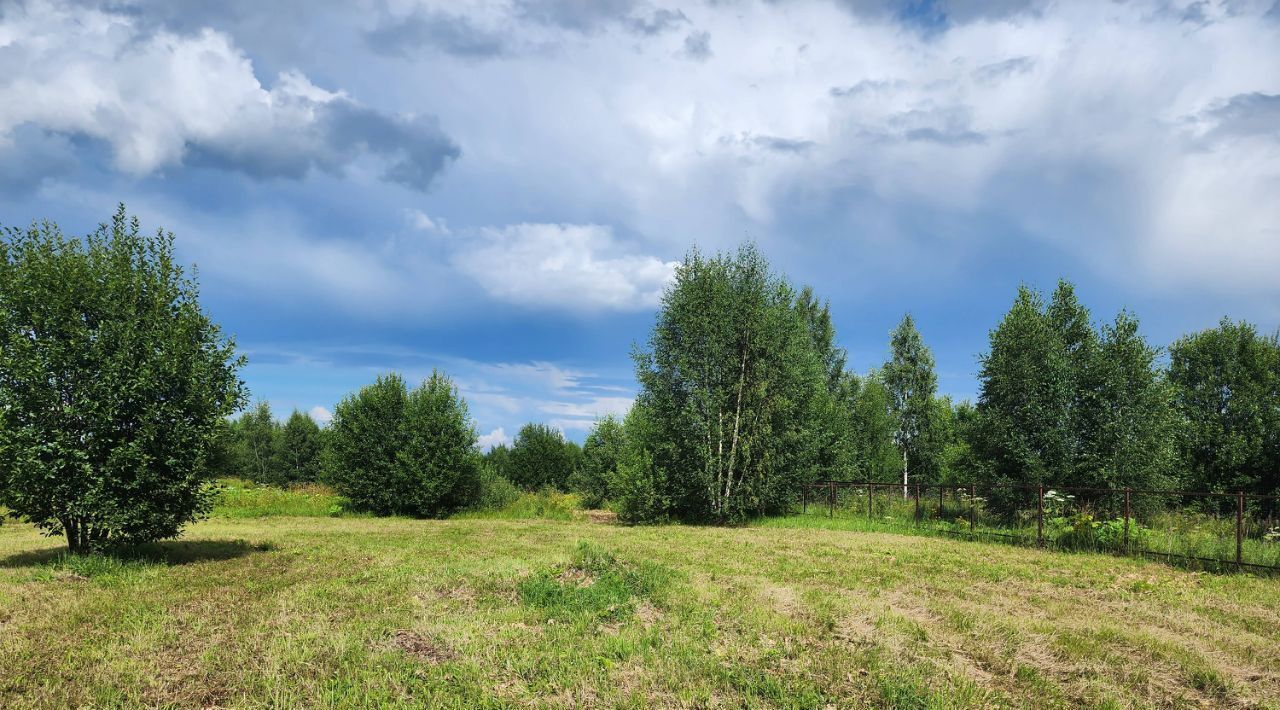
(1082, 531)
(493, 490)
(400, 452)
(600, 456)
(639, 488)
(113, 385)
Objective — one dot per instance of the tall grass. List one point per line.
(244, 499)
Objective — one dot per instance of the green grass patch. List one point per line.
(594, 586)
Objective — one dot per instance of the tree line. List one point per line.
(116, 391)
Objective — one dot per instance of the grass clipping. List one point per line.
(595, 586)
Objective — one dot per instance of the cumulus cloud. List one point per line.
(160, 99)
(497, 437)
(569, 266)
(321, 415)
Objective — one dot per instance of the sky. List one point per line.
(502, 188)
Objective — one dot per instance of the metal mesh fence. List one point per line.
(1190, 528)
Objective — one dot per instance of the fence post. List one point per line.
(1239, 529)
(804, 500)
(917, 502)
(832, 487)
(871, 494)
(1126, 520)
(973, 506)
(942, 491)
(1040, 518)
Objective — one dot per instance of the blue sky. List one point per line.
(500, 188)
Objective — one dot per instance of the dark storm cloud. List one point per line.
(452, 34)
(593, 15)
(1254, 114)
(416, 149)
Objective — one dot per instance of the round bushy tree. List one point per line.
(113, 384)
(396, 452)
(298, 449)
(539, 458)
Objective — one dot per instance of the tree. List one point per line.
(640, 488)
(438, 466)
(256, 445)
(540, 459)
(911, 383)
(113, 384)
(1022, 433)
(1130, 444)
(733, 391)
(871, 428)
(601, 453)
(396, 452)
(1226, 383)
(299, 445)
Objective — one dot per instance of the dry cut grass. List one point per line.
(343, 612)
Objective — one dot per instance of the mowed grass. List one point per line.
(360, 612)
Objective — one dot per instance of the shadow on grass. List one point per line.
(168, 552)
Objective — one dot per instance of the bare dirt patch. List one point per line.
(577, 578)
(421, 647)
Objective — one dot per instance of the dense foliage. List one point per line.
(1226, 384)
(113, 384)
(1063, 403)
(395, 451)
(735, 392)
(601, 452)
(258, 447)
(541, 458)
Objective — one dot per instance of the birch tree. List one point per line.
(911, 382)
(734, 388)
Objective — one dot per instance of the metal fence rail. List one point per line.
(1196, 528)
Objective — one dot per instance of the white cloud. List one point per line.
(161, 98)
(569, 266)
(321, 415)
(419, 220)
(494, 438)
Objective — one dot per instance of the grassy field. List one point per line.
(320, 611)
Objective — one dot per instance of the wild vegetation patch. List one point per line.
(594, 586)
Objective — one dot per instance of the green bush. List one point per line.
(114, 384)
(399, 452)
(540, 458)
(600, 456)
